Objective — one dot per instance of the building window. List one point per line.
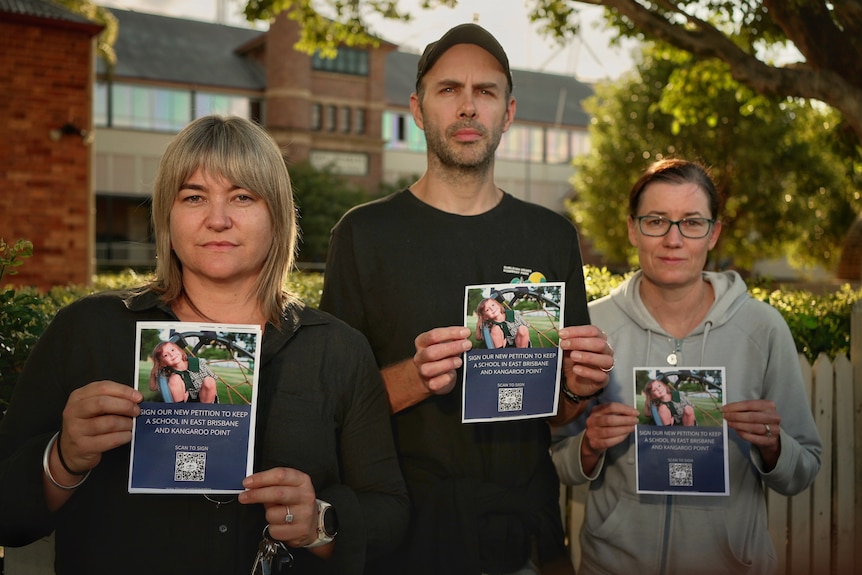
(101, 100)
(359, 121)
(147, 108)
(330, 118)
(346, 61)
(222, 104)
(522, 143)
(256, 111)
(162, 109)
(557, 146)
(401, 133)
(400, 129)
(580, 143)
(316, 119)
(344, 119)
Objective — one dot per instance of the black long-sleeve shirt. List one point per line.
(322, 409)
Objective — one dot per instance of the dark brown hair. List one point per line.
(676, 171)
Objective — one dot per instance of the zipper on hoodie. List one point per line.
(665, 545)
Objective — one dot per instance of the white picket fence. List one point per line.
(819, 531)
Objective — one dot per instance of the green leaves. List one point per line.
(819, 323)
(99, 15)
(13, 256)
(322, 197)
(326, 24)
(782, 165)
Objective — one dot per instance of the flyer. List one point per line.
(513, 370)
(195, 433)
(681, 438)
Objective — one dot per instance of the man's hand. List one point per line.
(432, 371)
(587, 363)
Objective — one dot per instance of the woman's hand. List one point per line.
(608, 424)
(758, 422)
(96, 419)
(291, 506)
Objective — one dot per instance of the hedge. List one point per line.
(820, 323)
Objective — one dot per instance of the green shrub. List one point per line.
(307, 286)
(599, 281)
(23, 318)
(819, 323)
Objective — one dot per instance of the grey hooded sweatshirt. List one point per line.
(626, 533)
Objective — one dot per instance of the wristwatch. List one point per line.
(327, 524)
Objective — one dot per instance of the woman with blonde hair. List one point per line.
(327, 493)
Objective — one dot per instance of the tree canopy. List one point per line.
(747, 43)
(322, 197)
(777, 162)
(100, 15)
(747, 35)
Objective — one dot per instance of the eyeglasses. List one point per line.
(658, 226)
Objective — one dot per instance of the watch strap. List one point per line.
(323, 537)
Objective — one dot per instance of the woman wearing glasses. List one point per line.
(672, 312)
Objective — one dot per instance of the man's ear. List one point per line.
(510, 114)
(416, 110)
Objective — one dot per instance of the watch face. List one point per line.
(330, 521)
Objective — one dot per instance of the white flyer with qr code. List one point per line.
(681, 435)
(195, 432)
(513, 369)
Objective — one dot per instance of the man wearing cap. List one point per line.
(485, 495)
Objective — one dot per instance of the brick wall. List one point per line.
(46, 82)
(293, 87)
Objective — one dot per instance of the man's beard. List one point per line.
(472, 156)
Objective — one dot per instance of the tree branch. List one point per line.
(818, 36)
(840, 89)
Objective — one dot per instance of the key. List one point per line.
(273, 556)
(263, 560)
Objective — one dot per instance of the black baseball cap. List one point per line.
(462, 34)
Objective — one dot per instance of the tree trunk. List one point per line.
(850, 264)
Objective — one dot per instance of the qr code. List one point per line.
(680, 475)
(190, 466)
(510, 399)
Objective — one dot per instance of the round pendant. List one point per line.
(672, 359)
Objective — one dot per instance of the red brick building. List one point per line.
(46, 78)
(86, 206)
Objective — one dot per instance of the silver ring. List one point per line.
(610, 369)
(768, 430)
(289, 517)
